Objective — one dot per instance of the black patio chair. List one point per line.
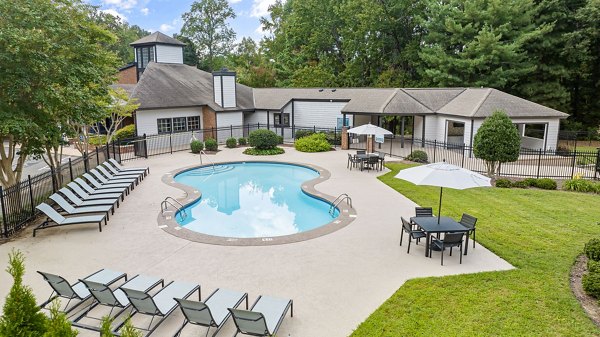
(353, 161)
(423, 211)
(361, 151)
(372, 162)
(413, 233)
(450, 240)
(469, 221)
(381, 159)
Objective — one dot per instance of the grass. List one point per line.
(539, 232)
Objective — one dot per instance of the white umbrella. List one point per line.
(369, 129)
(444, 175)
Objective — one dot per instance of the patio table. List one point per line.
(430, 225)
(364, 158)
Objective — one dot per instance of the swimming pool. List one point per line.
(252, 200)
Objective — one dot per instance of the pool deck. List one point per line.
(335, 280)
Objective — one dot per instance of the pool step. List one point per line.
(208, 170)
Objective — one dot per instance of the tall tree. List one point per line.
(207, 27)
(190, 54)
(53, 70)
(478, 42)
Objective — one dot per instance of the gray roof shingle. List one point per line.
(159, 38)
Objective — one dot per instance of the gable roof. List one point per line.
(157, 38)
(434, 98)
(168, 85)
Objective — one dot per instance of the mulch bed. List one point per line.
(589, 304)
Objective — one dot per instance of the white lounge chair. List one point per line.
(59, 220)
(264, 318)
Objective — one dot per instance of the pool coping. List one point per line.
(167, 222)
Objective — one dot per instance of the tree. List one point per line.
(21, 316)
(190, 54)
(479, 42)
(57, 324)
(497, 141)
(207, 27)
(53, 74)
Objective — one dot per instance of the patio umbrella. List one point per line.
(370, 130)
(444, 175)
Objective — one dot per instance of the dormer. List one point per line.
(157, 47)
(224, 88)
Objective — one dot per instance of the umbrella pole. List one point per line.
(440, 205)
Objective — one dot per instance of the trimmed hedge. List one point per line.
(314, 143)
(231, 143)
(263, 139)
(592, 249)
(242, 141)
(125, 132)
(418, 156)
(196, 146)
(263, 152)
(545, 184)
(591, 280)
(503, 183)
(591, 284)
(211, 145)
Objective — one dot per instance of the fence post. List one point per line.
(231, 130)
(391, 143)
(85, 162)
(573, 163)
(107, 151)
(114, 151)
(334, 136)
(171, 141)
(434, 149)
(4, 220)
(97, 158)
(119, 147)
(54, 182)
(314, 129)
(145, 147)
(70, 169)
(463, 156)
(539, 164)
(597, 164)
(31, 193)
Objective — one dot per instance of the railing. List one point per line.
(337, 201)
(180, 209)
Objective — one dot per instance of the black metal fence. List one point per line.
(18, 202)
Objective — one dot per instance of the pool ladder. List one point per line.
(334, 204)
(164, 205)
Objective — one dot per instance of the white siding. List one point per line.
(229, 99)
(226, 120)
(431, 127)
(259, 116)
(442, 129)
(217, 89)
(169, 54)
(319, 114)
(551, 131)
(146, 119)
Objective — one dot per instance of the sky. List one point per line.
(165, 15)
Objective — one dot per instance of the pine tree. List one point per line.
(58, 325)
(21, 316)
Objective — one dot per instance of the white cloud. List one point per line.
(145, 10)
(114, 12)
(121, 4)
(165, 27)
(259, 30)
(260, 8)
(234, 1)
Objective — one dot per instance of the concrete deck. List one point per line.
(335, 280)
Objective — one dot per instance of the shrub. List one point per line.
(581, 185)
(263, 152)
(263, 139)
(279, 139)
(242, 141)
(57, 324)
(503, 183)
(128, 330)
(591, 284)
(592, 249)
(593, 266)
(520, 184)
(531, 182)
(313, 143)
(545, 184)
(97, 140)
(231, 143)
(303, 133)
(497, 141)
(126, 132)
(417, 156)
(21, 315)
(106, 326)
(196, 146)
(211, 145)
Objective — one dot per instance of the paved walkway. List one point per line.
(336, 280)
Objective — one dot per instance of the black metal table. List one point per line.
(430, 225)
(364, 158)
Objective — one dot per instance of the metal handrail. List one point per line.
(335, 203)
(212, 164)
(164, 207)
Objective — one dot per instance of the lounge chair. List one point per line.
(213, 311)
(62, 288)
(124, 177)
(70, 210)
(104, 295)
(135, 174)
(100, 196)
(162, 304)
(101, 184)
(105, 180)
(264, 318)
(100, 189)
(59, 220)
(82, 203)
(125, 169)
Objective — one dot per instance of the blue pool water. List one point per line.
(247, 200)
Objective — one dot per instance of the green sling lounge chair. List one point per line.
(70, 210)
(111, 176)
(125, 169)
(59, 220)
(105, 296)
(101, 183)
(213, 311)
(264, 318)
(86, 196)
(132, 174)
(162, 304)
(99, 189)
(62, 288)
(78, 202)
(105, 180)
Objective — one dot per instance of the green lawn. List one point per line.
(539, 232)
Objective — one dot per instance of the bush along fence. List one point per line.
(18, 202)
(555, 164)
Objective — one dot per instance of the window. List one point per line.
(281, 119)
(179, 124)
(193, 123)
(145, 55)
(535, 130)
(164, 125)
